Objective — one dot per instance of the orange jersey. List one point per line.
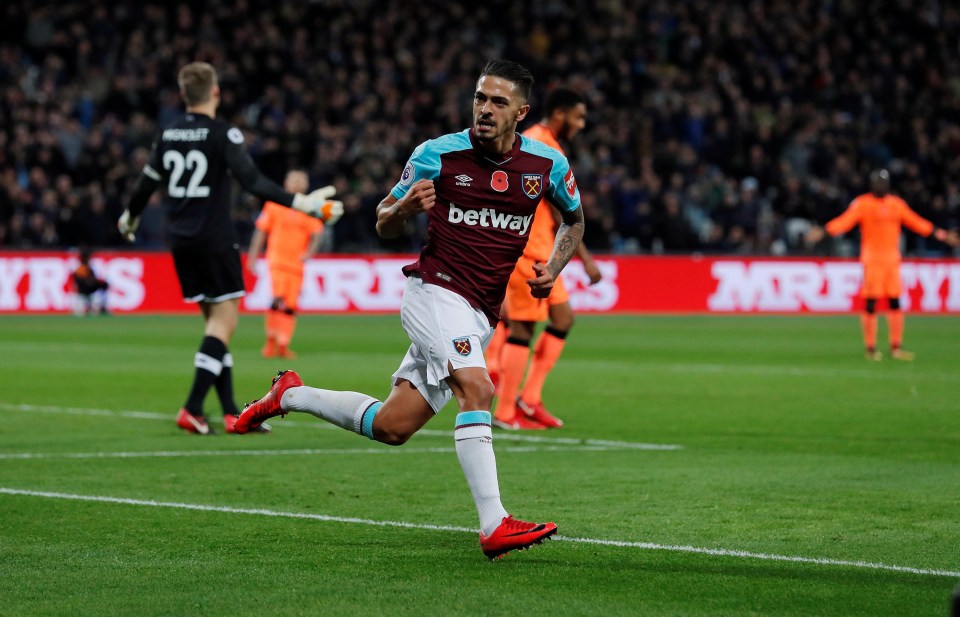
(289, 234)
(543, 230)
(880, 219)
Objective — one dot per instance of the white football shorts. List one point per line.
(444, 329)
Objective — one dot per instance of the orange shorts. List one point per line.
(520, 305)
(881, 280)
(286, 285)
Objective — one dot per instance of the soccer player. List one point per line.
(880, 216)
(194, 158)
(565, 115)
(292, 238)
(479, 189)
(91, 289)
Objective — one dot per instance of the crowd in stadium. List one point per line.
(713, 127)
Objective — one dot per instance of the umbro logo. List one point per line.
(463, 180)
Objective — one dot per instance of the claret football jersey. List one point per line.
(484, 210)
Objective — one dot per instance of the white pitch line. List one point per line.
(802, 372)
(499, 436)
(296, 452)
(716, 552)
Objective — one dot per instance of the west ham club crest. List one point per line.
(532, 185)
(462, 346)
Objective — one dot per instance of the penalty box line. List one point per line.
(500, 435)
(715, 552)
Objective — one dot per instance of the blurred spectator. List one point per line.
(754, 119)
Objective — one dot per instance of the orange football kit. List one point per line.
(880, 220)
(289, 233)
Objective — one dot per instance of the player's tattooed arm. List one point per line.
(392, 213)
(568, 238)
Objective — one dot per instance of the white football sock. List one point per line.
(350, 410)
(474, 442)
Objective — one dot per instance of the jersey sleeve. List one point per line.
(424, 164)
(846, 221)
(154, 167)
(266, 217)
(150, 178)
(913, 221)
(563, 192)
(243, 168)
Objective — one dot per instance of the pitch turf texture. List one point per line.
(826, 485)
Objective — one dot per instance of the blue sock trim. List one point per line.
(473, 417)
(366, 422)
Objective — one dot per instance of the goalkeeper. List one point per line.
(193, 159)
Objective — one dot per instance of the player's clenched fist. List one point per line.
(421, 197)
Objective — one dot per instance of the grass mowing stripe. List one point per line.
(147, 415)
(823, 561)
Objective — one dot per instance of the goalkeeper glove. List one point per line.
(319, 205)
(128, 226)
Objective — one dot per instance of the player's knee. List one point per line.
(478, 392)
(393, 436)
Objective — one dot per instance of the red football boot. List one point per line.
(192, 423)
(513, 534)
(256, 412)
(520, 422)
(230, 425)
(538, 413)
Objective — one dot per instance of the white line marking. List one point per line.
(766, 370)
(716, 552)
(499, 435)
(297, 452)
(803, 372)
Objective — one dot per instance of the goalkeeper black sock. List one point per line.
(208, 365)
(224, 385)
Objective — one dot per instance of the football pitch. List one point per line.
(709, 466)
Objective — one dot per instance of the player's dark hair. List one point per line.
(561, 98)
(196, 81)
(520, 77)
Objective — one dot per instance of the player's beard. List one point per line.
(491, 133)
(566, 131)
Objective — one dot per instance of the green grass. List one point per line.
(792, 445)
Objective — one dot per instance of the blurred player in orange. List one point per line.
(91, 289)
(880, 216)
(292, 238)
(565, 115)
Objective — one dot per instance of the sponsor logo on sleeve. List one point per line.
(499, 181)
(571, 183)
(532, 185)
